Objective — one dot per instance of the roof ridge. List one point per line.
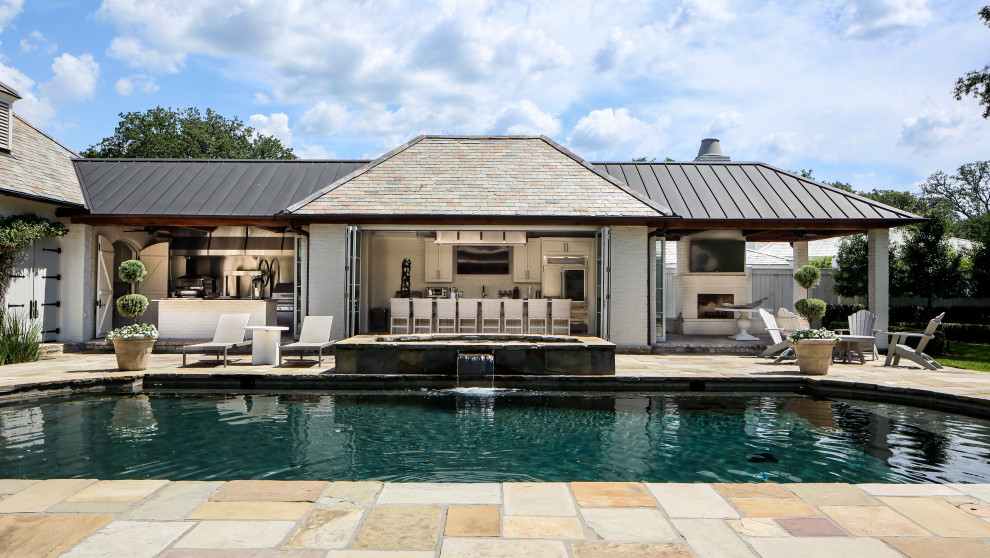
(47, 135)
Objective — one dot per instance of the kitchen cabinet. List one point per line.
(439, 266)
(527, 262)
(571, 246)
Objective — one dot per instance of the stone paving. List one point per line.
(303, 519)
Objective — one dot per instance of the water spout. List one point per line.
(473, 369)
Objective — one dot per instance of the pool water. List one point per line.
(482, 437)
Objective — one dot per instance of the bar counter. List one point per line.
(196, 318)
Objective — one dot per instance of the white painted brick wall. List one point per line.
(800, 259)
(197, 319)
(878, 296)
(629, 311)
(78, 276)
(689, 285)
(327, 277)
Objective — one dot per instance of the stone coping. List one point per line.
(310, 519)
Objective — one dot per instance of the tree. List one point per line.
(166, 133)
(976, 82)
(980, 258)
(966, 193)
(851, 275)
(933, 269)
(809, 174)
(901, 200)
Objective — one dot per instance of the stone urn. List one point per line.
(814, 355)
(134, 353)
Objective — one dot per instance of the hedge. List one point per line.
(967, 333)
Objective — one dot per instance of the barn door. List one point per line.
(47, 292)
(155, 283)
(104, 285)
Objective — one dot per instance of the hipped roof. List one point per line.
(38, 167)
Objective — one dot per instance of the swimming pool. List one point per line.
(470, 437)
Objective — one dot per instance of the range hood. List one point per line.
(567, 260)
(230, 246)
(498, 238)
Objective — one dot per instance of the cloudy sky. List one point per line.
(857, 90)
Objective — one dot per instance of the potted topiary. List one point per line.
(810, 309)
(813, 348)
(132, 344)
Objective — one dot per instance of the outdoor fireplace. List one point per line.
(708, 305)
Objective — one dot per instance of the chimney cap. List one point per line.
(711, 150)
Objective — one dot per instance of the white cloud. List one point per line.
(261, 99)
(37, 42)
(275, 124)
(613, 52)
(74, 80)
(523, 118)
(870, 19)
(617, 134)
(313, 152)
(933, 128)
(140, 83)
(323, 119)
(137, 55)
(723, 123)
(8, 11)
(29, 106)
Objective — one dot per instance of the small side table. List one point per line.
(265, 343)
(851, 346)
(742, 322)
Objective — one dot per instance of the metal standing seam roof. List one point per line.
(467, 176)
(202, 187)
(745, 191)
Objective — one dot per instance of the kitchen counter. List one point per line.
(197, 318)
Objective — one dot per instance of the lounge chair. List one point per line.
(315, 336)
(896, 350)
(779, 337)
(229, 334)
(863, 323)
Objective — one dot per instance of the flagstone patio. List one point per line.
(302, 519)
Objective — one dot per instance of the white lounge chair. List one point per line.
(315, 336)
(467, 315)
(896, 350)
(863, 323)
(446, 316)
(779, 337)
(560, 316)
(422, 315)
(229, 334)
(400, 315)
(513, 321)
(539, 318)
(491, 315)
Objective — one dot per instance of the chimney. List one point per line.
(711, 152)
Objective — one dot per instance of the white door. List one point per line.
(155, 283)
(352, 304)
(603, 275)
(104, 285)
(47, 292)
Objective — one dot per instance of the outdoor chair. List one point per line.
(538, 320)
(863, 323)
(491, 315)
(513, 322)
(229, 334)
(446, 315)
(400, 315)
(422, 315)
(467, 315)
(896, 350)
(779, 337)
(790, 321)
(315, 336)
(560, 316)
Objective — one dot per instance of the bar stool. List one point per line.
(491, 315)
(513, 322)
(446, 315)
(400, 315)
(538, 318)
(560, 316)
(422, 315)
(467, 315)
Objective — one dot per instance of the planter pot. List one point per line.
(814, 355)
(133, 354)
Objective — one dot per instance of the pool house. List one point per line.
(482, 216)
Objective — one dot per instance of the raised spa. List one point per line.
(480, 435)
(437, 353)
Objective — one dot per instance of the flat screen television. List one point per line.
(482, 260)
(720, 256)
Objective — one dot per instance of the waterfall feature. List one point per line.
(473, 369)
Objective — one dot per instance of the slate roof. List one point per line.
(480, 176)
(38, 167)
(202, 187)
(745, 191)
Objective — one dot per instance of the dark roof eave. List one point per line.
(43, 199)
(838, 224)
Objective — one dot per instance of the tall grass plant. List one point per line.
(20, 339)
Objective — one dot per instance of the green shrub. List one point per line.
(20, 340)
(836, 325)
(967, 333)
(810, 309)
(841, 313)
(132, 306)
(132, 271)
(808, 276)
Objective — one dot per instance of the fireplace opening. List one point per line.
(708, 305)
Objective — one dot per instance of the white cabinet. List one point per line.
(527, 262)
(573, 246)
(439, 266)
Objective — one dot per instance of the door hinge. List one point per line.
(15, 306)
(56, 250)
(17, 277)
(55, 277)
(56, 304)
(55, 331)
